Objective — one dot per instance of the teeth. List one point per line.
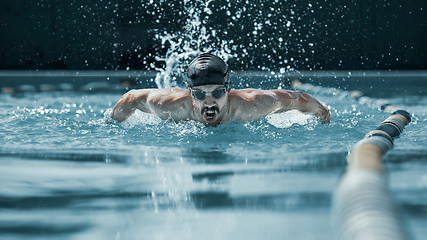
(210, 110)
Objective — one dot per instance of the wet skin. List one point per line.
(178, 104)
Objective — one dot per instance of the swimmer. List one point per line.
(210, 99)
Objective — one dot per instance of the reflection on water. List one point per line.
(269, 202)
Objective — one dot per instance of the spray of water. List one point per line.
(182, 46)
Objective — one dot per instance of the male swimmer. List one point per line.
(210, 99)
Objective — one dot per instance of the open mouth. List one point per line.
(210, 112)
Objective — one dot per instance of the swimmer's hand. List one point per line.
(325, 115)
(107, 116)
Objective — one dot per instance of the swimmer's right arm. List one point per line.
(129, 102)
(172, 103)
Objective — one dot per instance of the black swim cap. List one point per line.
(207, 69)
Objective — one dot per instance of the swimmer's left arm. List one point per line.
(303, 102)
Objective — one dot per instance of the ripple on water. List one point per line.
(58, 153)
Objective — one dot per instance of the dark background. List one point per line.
(258, 35)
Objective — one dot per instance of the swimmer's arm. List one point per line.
(172, 104)
(129, 102)
(303, 102)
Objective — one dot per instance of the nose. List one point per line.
(209, 100)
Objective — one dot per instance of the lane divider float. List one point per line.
(363, 207)
(356, 95)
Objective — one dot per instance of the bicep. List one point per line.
(253, 104)
(148, 100)
(301, 101)
(135, 99)
(127, 104)
(172, 104)
(293, 100)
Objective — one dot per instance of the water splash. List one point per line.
(288, 119)
(182, 46)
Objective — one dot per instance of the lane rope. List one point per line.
(381, 104)
(363, 207)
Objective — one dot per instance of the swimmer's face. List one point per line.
(210, 103)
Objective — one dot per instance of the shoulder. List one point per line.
(170, 103)
(168, 92)
(251, 104)
(168, 96)
(154, 95)
(250, 95)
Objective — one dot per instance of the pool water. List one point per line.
(66, 174)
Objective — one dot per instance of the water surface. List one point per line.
(66, 174)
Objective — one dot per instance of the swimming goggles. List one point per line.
(200, 95)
